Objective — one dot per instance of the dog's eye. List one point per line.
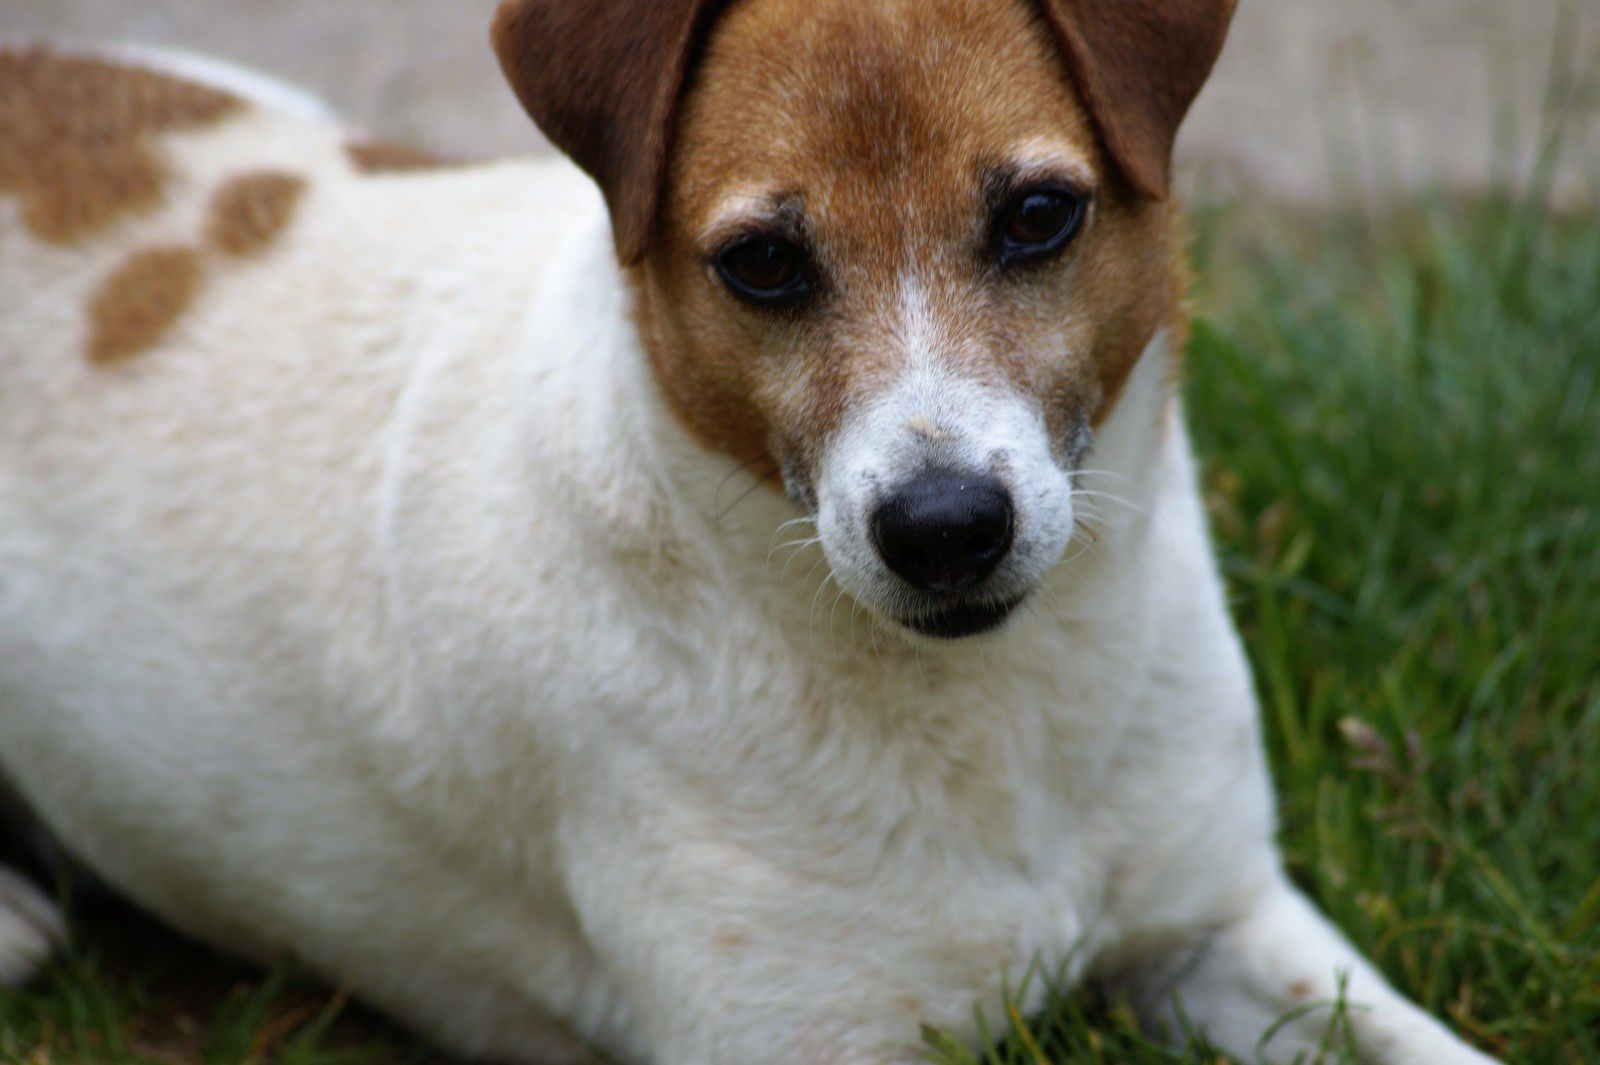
(1037, 224)
(766, 270)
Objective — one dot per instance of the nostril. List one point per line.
(983, 546)
(944, 531)
(909, 559)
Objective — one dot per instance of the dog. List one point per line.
(737, 594)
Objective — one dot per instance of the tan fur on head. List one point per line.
(74, 138)
(882, 124)
(605, 78)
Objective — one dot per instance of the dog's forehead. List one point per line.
(830, 99)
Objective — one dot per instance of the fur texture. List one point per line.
(392, 610)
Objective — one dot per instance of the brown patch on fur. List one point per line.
(881, 125)
(138, 304)
(388, 157)
(249, 212)
(1168, 280)
(75, 137)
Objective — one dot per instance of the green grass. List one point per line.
(130, 993)
(1400, 422)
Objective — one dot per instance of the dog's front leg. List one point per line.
(704, 990)
(719, 956)
(1268, 987)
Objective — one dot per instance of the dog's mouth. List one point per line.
(960, 619)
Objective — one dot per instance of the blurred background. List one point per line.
(1313, 99)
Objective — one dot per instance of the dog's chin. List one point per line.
(960, 619)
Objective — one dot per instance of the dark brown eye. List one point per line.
(766, 270)
(1037, 224)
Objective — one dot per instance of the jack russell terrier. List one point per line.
(735, 609)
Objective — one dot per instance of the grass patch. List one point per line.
(1400, 425)
(128, 992)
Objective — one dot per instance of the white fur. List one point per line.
(384, 618)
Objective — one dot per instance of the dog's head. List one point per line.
(908, 250)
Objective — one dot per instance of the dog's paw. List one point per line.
(30, 928)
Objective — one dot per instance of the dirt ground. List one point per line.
(1314, 98)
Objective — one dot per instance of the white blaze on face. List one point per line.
(934, 417)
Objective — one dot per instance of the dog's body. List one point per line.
(367, 599)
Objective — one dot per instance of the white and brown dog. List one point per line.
(374, 591)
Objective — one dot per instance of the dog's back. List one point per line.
(185, 274)
(129, 193)
(212, 299)
(194, 261)
(162, 215)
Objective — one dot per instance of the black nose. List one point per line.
(944, 531)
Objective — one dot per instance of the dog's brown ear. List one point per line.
(1140, 64)
(603, 79)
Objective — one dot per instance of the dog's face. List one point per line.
(890, 255)
(892, 259)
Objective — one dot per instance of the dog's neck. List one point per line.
(691, 582)
(715, 525)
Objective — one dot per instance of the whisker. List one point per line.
(872, 634)
(1084, 493)
(806, 542)
(1055, 598)
(779, 532)
(784, 574)
(1084, 550)
(1093, 493)
(1124, 478)
(811, 617)
(813, 568)
(1123, 549)
(1090, 521)
(804, 519)
(748, 493)
(716, 498)
(833, 609)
